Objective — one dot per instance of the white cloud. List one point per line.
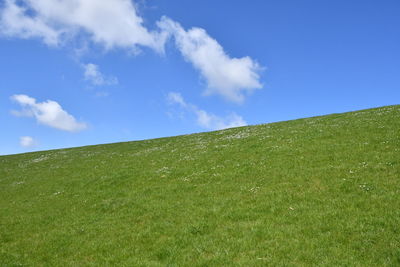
(48, 113)
(117, 24)
(176, 98)
(27, 141)
(111, 23)
(205, 119)
(93, 74)
(211, 121)
(229, 77)
(14, 22)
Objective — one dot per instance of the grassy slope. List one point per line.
(322, 190)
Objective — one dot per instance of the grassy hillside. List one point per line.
(321, 191)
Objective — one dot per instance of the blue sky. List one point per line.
(87, 72)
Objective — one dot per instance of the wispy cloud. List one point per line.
(48, 113)
(27, 141)
(206, 119)
(226, 76)
(93, 75)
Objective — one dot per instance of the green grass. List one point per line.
(315, 191)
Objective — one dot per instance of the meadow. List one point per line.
(315, 191)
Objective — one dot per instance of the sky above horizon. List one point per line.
(84, 72)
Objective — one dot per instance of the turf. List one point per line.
(315, 191)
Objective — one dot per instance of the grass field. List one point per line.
(315, 191)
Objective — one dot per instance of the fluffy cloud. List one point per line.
(14, 22)
(229, 77)
(205, 119)
(48, 113)
(111, 23)
(93, 74)
(27, 141)
(116, 24)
